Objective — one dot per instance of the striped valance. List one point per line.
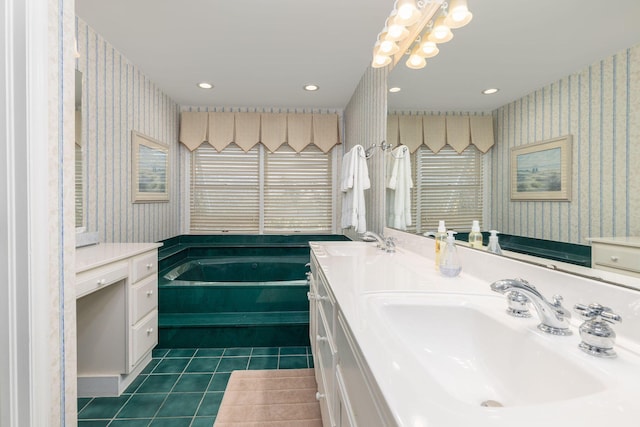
(220, 129)
(437, 131)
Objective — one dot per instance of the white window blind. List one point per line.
(447, 186)
(297, 190)
(260, 191)
(225, 190)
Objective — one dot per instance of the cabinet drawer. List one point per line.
(326, 303)
(144, 265)
(94, 279)
(621, 257)
(144, 336)
(144, 298)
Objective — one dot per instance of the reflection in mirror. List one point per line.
(79, 181)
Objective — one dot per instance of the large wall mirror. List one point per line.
(557, 75)
(79, 181)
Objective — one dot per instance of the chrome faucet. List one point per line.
(554, 318)
(386, 244)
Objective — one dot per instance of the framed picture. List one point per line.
(149, 169)
(542, 171)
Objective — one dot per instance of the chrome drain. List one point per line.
(491, 404)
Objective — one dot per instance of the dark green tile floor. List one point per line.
(184, 387)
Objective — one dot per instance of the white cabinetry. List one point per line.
(347, 391)
(117, 315)
(616, 254)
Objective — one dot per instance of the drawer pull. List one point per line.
(614, 258)
(149, 266)
(319, 396)
(149, 293)
(322, 298)
(310, 296)
(321, 338)
(149, 331)
(101, 282)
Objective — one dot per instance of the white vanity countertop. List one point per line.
(413, 394)
(89, 257)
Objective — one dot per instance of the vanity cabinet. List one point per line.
(347, 391)
(117, 315)
(617, 254)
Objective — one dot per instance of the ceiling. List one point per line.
(261, 53)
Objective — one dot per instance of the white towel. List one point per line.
(399, 184)
(353, 182)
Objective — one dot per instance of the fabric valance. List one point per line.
(220, 129)
(437, 131)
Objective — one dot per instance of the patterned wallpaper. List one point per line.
(600, 107)
(118, 98)
(366, 124)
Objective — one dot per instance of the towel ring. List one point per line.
(384, 146)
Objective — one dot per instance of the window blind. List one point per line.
(260, 191)
(449, 187)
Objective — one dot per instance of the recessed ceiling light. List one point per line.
(205, 85)
(490, 91)
(311, 87)
(394, 89)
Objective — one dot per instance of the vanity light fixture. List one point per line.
(490, 91)
(205, 85)
(403, 30)
(311, 87)
(395, 89)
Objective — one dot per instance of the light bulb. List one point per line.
(380, 61)
(440, 33)
(407, 12)
(458, 15)
(429, 49)
(416, 61)
(385, 47)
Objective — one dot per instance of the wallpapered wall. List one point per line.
(600, 107)
(366, 124)
(118, 98)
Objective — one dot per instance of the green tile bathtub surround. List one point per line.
(265, 351)
(180, 404)
(106, 407)
(310, 361)
(210, 404)
(293, 351)
(192, 383)
(158, 383)
(240, 351)
(142, 405)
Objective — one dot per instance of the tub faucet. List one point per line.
(386, 244)
(554, 318)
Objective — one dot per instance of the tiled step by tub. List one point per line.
(239, 329)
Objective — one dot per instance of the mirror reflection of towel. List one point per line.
(399, 184)
(353, 181)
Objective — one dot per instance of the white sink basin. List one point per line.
(474, 352)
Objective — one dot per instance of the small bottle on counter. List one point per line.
(475, 237)
(441, 237)
(494, 246)
(449, 261)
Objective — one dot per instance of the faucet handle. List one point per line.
(597, 312)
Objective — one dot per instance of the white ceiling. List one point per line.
(260, 53)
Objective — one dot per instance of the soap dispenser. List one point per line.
(475, 237)
(449, 261)
(441, 237)
(494, 246)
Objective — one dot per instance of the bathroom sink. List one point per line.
(467, 347)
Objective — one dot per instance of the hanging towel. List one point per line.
(399, 186)
(353, 182)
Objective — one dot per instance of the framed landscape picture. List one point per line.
(150, 169)
(542, 171)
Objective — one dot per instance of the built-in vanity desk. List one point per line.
(395, 344)
(117, 314)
